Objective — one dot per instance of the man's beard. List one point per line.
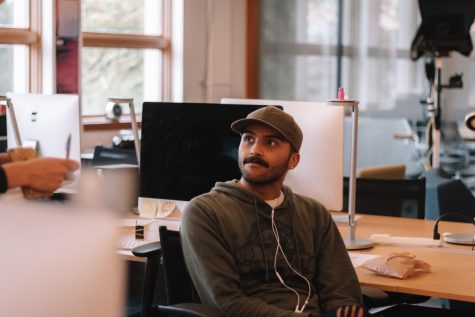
(271, 174)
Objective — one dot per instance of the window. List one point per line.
(299, 46)
(19, 52)
(298, 49)
(125, 52)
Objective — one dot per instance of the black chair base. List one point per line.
(407, 310)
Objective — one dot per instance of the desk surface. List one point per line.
(453, 266)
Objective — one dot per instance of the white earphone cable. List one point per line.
(298, 309)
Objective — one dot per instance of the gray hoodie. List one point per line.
(229, 249)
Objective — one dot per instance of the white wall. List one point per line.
(89, 139)
(231, 41)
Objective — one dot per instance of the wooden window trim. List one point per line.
(17, 36)
(94, 39)
(166, 80)
(35, 54)
(31, 38)
(100, 123)
(252, 53)
(139, 41)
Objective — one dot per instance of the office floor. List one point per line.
(435, 302)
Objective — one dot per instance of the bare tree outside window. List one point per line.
(119, 71)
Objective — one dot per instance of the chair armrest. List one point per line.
(147, 250)
(151, 251)
(191, 310)
(373, 297)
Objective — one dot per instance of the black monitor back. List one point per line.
(187, 147)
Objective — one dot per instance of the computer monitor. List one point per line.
(46, 121)
(185, 149)
(319, 174)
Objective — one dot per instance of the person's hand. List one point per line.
(350, 311)
(4, 158)
(42, 174)
(347, 311)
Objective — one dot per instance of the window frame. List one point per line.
(339, 50)
(161, 42)
(31, 38)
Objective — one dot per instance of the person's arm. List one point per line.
(4, 158)
(213, 268)
(3, 181)
(335, 279)
(43, 174)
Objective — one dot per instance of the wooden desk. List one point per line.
(453, 266)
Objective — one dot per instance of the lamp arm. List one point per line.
(354, 156)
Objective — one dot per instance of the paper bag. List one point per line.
(398, 265)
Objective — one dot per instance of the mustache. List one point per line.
(257, 160)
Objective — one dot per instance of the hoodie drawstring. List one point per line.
(295, 235)
(263, 250)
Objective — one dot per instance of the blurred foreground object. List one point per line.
(59, 262)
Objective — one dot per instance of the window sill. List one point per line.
(98, 123)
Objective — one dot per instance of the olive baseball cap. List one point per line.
(275, 118)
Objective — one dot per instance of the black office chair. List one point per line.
(182, 299)
(153, 253)
(446, 195)
(455, 197)
(388, 197)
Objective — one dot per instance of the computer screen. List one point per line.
(185, 149)
(319, 174)
(47, 120)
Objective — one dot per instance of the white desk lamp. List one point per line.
(133, 120)
(352, 243)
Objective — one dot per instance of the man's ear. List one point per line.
(294, 160)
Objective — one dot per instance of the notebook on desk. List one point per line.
(128, 240)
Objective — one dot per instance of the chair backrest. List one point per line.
(179, 287)
(455, 197)
(389, 171)
(388, 197)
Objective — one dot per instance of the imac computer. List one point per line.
(319, 174)
(45, 123)
(185, 149)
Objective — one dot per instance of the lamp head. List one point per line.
(470, 120)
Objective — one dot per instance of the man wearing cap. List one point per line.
(254, 248)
